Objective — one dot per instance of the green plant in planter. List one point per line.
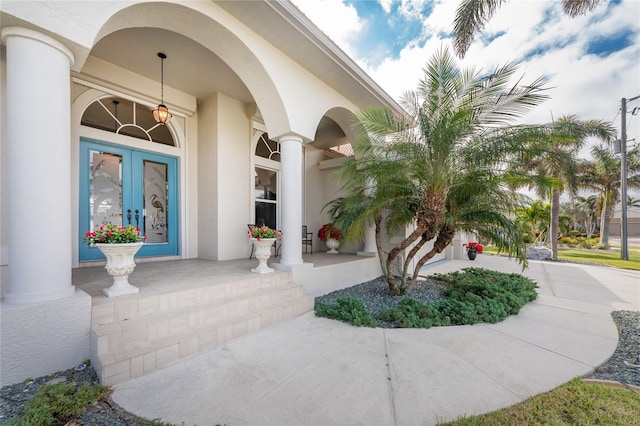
(263, 232)
(114, 234)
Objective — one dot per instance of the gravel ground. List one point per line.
(375, 295)
(623, 366)
(103, 413)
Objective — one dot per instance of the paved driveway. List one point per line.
(315, 371)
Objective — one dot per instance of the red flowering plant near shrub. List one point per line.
(329, 232)
(263, 232)
(114, 234)
(474, 246)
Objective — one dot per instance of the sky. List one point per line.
(591, 62)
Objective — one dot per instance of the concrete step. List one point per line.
(112, 336)
(143, 343)
(106, 311)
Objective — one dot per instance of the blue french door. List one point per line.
(125, 186)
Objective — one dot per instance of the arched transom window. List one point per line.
(125, 117)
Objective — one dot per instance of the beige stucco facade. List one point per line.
(234, 71)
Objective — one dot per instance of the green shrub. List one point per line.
(569, 241)
(586, 244)
(348, 309)
(474, 295)
(57, 402)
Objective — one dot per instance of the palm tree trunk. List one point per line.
(431, 211)
(378, 224)
(555, 222)
(604, 229)
(394, 290)
(408, 283)
(445, 236)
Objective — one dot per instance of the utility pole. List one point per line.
(624, 248)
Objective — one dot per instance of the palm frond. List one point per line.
(575, 8)
(471, 17)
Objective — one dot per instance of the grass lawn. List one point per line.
(611, 258)
(575, 403)
(604, 257)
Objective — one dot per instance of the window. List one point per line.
(266, 174)
(266, 197)
(124, 117)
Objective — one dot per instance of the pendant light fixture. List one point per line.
(161, 114)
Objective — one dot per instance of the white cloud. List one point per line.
(586, 85)
(337, 20)
(412, 8)
(386, 5)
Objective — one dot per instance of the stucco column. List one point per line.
(370, 240)
(291, 175)
(370, 248)
(39, 149)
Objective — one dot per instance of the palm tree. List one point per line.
(583, 213)
(535, 218)
(554, 156)
(603, 174)
(431, 168)
(472, 15)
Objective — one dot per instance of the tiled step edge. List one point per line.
(161, 324)
(142, 358)
(111, 311)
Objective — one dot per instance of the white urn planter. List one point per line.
(262, 251)
(120, 265)
(332, 245)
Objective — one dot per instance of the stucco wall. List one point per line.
(330, 190)
(43, 338)
(207, 175)
(233, 180)
(4, 173)
(314, 194)
(224, 172)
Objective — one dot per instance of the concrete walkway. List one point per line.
(315, 371)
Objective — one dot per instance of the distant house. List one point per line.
(633, 222)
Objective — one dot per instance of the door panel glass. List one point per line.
(266, 214)
(155, 202)
(266, 197)
(266, 184)
(105, 188)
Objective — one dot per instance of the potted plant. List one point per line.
(331, 236)
(473, 249)
(263, 238)
(119, 244)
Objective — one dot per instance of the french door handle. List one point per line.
(129, 216)
(137, 218)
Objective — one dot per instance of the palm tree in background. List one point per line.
(553, 156)
(472, 16)
(583, 212)
(603, 174)
(439, 168)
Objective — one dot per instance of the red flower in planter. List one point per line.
(474, 246)
(329, 232)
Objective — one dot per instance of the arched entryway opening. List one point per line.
(211, 79)
(328, 151)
